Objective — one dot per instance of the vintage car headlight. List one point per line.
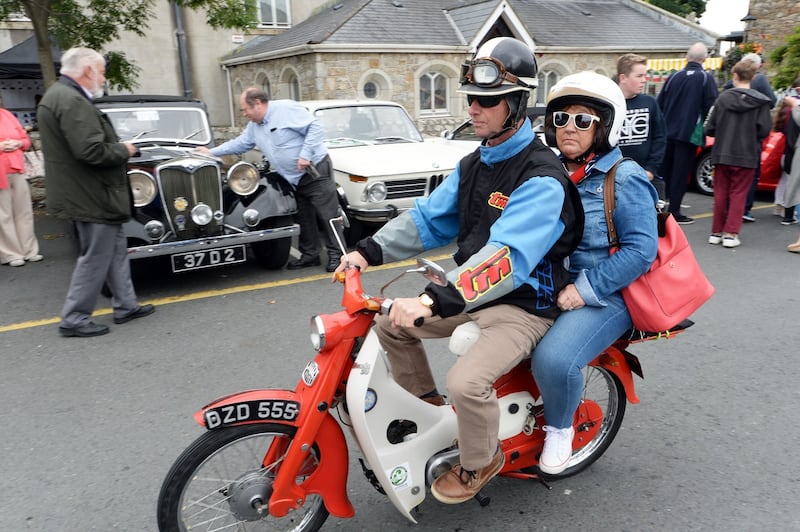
(375, 192)
(202, 214)
(317, 333)
(143, 187)
(243, 178)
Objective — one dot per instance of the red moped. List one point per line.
(277, 459)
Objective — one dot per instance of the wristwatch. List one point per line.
(427, 300)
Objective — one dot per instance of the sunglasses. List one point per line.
(488, 72)
(583, 121)
(485, 101)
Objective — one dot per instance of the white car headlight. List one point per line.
(243, 178)
(317, 333)
(143, 187)
(375, 192)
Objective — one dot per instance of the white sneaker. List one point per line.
(715, 239)
(35, 258)
(731, 241)
(557, 450)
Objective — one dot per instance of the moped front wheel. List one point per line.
(223, 481)
(600, 414)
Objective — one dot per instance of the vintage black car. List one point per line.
(186, 205)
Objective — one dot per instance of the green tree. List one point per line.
(681, 8)
(95, 23)
(786, 61)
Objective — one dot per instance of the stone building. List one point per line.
(774, 21)
(409, 51)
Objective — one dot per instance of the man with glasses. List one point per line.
(515, 217)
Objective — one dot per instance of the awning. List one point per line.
(22, 61)
(668, 65)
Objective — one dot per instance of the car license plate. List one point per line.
(196, 260)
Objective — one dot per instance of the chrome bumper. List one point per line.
(186, 246)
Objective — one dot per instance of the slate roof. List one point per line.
(582, 24)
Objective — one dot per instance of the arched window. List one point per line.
(433, 93)
(294, 87)
(263, 81)
(547, 78)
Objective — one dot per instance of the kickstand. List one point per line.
(482, 499)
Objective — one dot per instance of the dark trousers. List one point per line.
(317, 200)
(103, 259)
(678, 161)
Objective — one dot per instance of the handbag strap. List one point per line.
(609, 204)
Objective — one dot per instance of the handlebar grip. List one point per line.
(419, 322)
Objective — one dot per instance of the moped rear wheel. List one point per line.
(600, 412)
(219, 480)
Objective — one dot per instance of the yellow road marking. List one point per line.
(216, 293)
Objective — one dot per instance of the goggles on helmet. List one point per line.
(487, 72)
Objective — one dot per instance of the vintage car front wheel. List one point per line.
(273, 254)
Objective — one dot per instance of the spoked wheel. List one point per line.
(222, 480)
(598, 418)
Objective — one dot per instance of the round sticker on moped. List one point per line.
(399, 476)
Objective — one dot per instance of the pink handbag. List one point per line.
(674, 286)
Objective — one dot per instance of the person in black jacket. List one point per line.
(685, 99)
(761, 84)
(642, 136)
(739, 121)
(87, 183)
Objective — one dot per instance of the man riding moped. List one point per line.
(515, 217)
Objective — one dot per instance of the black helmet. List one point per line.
(502, 66)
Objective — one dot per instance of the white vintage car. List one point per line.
(381, 161)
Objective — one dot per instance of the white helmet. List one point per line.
(593, 90)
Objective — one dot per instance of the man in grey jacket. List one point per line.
(87, 183)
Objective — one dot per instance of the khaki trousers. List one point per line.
(17, 239)
(508, 335)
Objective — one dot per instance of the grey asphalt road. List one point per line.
(91, 426)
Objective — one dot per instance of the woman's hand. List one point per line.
(569, 298)
(10, 145)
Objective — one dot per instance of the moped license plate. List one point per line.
(264, 410)
(208, 258)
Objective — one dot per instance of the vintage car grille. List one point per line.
(412, 188)
(184, 183)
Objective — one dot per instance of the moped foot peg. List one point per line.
(482, 499)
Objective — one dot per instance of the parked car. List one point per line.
(381, 162)
(185, 206)
(702, 177)
(465, 131)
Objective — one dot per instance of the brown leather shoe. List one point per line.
(460, 485)
(435, 400)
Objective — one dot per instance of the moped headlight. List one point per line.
(375, 192)
(143, 187)
(317, 333)
(202, 214)
(243, 178)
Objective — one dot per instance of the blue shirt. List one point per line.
(288, 132)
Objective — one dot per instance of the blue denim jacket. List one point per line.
(597, 274)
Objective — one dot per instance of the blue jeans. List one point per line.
(573, 341)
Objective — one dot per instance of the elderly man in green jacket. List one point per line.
(87, 183)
